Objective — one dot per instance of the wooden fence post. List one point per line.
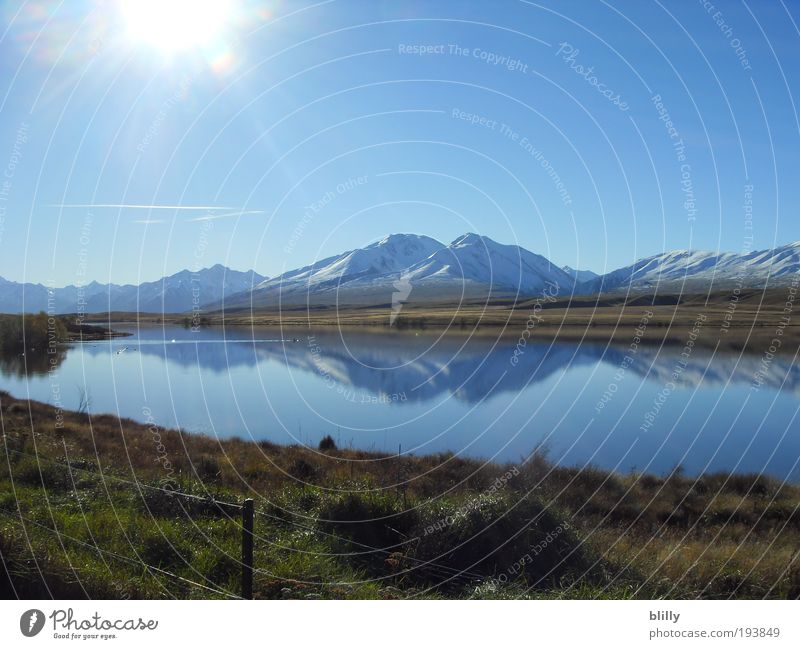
(247, 549)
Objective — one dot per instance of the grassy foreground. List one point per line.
(87, 510)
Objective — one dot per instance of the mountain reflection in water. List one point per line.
(586, 403)
(423, 367)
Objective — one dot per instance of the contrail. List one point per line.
(142, 207)
(214, 217)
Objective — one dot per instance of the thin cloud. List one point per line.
(124, 206)
(214, 217)
(149, 221)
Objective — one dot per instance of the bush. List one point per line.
(207, 469)
(31, 472)
(327, 443)
(374, 520)
(488, 537)
(301, 470)
(308, 500)
(31, 331)
(17, 409)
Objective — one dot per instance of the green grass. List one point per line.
(81, 515)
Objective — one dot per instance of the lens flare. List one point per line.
(176, 25)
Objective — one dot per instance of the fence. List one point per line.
(246, 512)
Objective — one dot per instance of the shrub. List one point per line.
(17, 409)
(308, 500)
(327, 443)
(374, 520)
(491, 538)
(36, 474)
(32, 331)
(207, 469)
(301, 470)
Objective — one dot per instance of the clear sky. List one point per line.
(593, 133)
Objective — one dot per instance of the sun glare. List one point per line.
(175, 25)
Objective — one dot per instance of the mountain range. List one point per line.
(414, 266)
(177, 293)
(403, 267)
(689, 271)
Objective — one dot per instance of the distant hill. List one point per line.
(580, 276)
(173, 294)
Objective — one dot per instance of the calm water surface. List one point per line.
(380, 390)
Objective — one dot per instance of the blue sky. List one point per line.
(319, 127)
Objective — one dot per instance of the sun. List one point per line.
(175, 25)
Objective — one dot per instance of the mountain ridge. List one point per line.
(176, 293)
(402, 267)
(690, 270)
(470, 266)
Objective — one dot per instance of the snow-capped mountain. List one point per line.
(702, 270)
(475, 267)
(387, 257)
(475, 260)
(173, 294)
(418, 266)
(580, 276)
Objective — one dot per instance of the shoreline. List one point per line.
(751, 324)
(80, 333)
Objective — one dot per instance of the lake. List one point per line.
(585, 404)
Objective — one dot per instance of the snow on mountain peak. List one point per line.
(386, 257)
(687, 269)
(404, 246)
(470, 239)
(476, 259)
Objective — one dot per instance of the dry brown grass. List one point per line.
(751, 325)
